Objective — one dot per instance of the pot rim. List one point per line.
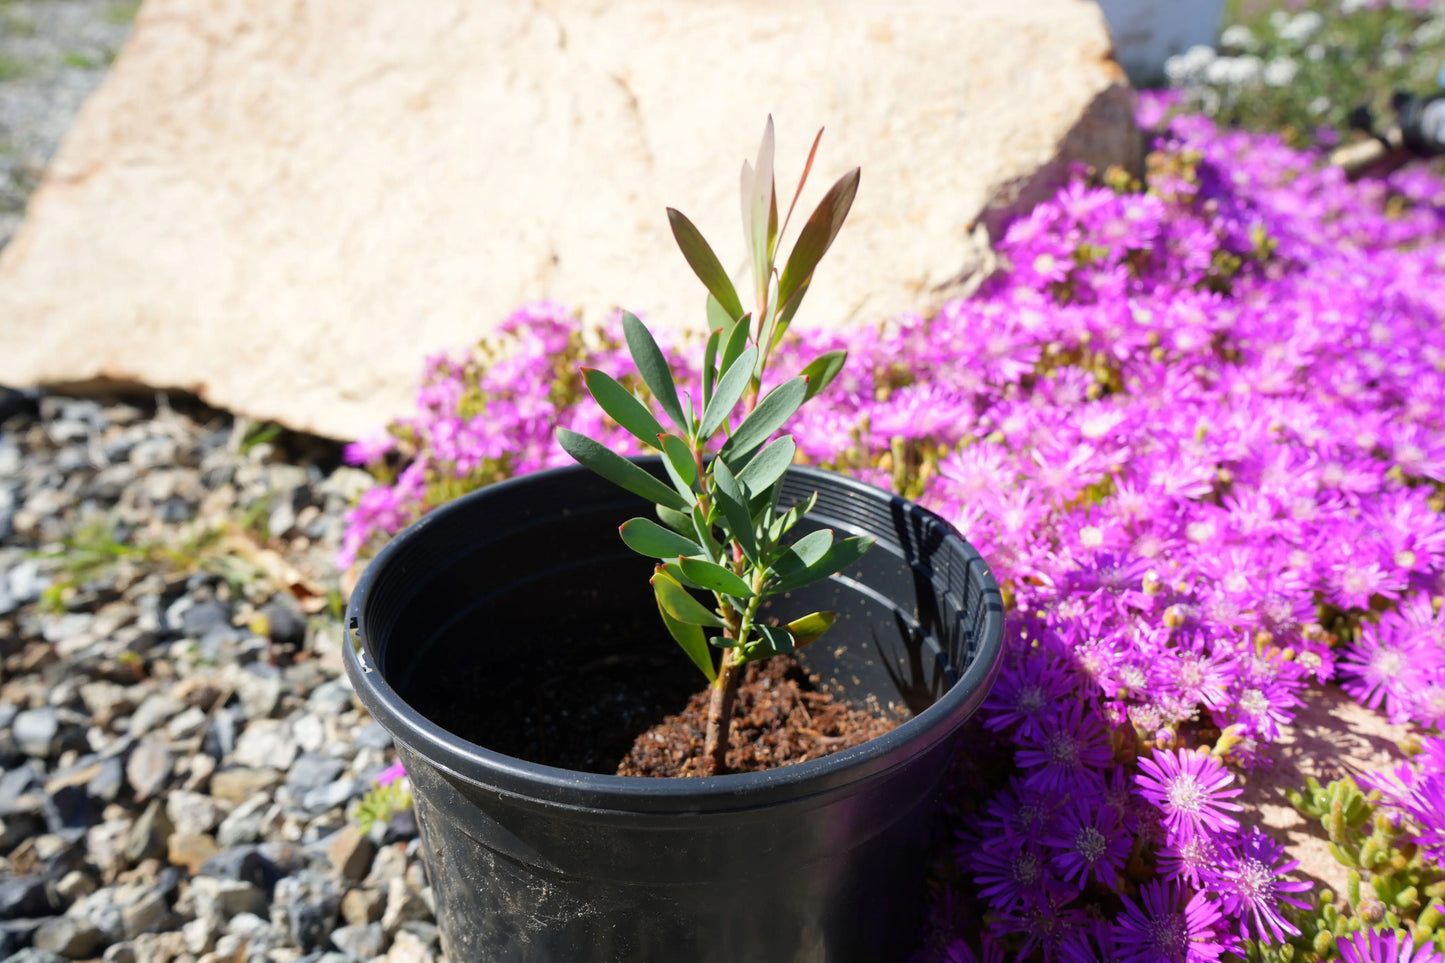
(495, 772)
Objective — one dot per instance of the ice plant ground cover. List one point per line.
(1198, 428)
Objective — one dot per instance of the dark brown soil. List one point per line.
(781, 717)
(609, 722)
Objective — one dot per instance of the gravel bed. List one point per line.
(182, 755)
(53, 53)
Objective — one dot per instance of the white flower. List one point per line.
(1302, 26)
(1315, 51)
(1392, 57)
(1238, 37)
(1319, 105)
(1234, 71)
(1186, 68)
(1280, 72)
(1430, 32)
(1348, 7)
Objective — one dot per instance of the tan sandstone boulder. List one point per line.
(284, 207)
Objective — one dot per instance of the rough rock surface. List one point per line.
(283, 208)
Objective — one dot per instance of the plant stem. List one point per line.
(720, 715)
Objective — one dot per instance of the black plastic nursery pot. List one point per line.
(491, 604)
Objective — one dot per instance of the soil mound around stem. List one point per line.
(782, 716)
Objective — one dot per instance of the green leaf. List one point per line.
(723, 642)
(804, 552)
(704, 262)
(768, 465)
(709, 364)
(690, 637)
(736, 344)
(653, 368)
(618, 470)
(730, 388)
(718, 318)
(837, 558)
(810, 627)
(680, 522)
(702, 528)
(646, 537)
(762, 220)
(711, 575)
(675, 570)
(779, 641)
(770, 414)
(818, 234)
(676, 602)
(821, 371)
(734, 508)
(786, 312)
(622, 406)
(680, 457)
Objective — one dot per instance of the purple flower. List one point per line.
(1170, 927)
(1249, 879)
(390, 774)
(1089, 841)
(1069, 753)
(1010, 872)
(1027, 691)
(1385, 946)
(1190, 788)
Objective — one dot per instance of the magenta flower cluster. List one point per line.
(1198, 429)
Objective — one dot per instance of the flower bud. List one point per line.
(1371, 910)
(1153, 584)
(1174, 616)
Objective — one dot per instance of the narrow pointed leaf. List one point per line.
(622, 406)
(745, 191)
(762, 191)
(680, 457)
(646, 537)
(810, 627)
(778, 639)
(770, 415)
(680, 522)
(807, 169)
(736, 344)
(723, 642)
(711, 575)
(691, 639)
(675, 570)
(653, 367)
(734, 508)
(709, 365)
(804, 552)
(837, 558)
(676, 602)
(618, 470)
(818, 234)
(730, 388)
(821, 371)
(704, 262)
(786, 312)
(768, 465)
(718, 318)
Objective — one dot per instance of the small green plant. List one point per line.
(13, 68)
(385, 799)
(1390, 884)
(83, 60)
(122, 11)
(722, 531)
